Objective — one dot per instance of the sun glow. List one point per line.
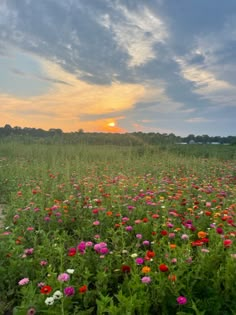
(111, 124)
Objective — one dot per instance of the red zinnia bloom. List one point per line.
(164, 232)
(46, 289)
(197, 243)
(163, 268)
(83, 289)
(150, 254)
(227, 243)
(72, 251)
(125, 269)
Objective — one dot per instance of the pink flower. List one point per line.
(29, 251)
(23, 281)
(139, 236)
(43, 262)
(181, 300)
(96, 223)
(146, 280)
(184, 237)
(63, 277)
(30, 228)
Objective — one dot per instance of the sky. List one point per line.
(162, 66)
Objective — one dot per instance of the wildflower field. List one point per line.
(117, 230)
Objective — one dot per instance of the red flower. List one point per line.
(163, 268)
(46, 289)
(125, 269)
(227, 243)
(164, 232)
(197, 243)
(72, 251)
(83, 289)
(205, 240)
(150, 254)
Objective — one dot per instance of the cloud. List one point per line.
(70, 101)
(210, 65)
(137, 32)
(198, 120)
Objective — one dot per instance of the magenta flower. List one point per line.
(139, 236)
(129, 228)
(139, 261)
(69, 291)
(181, 300)
(104, 250)
(23, 281)
(63, 277)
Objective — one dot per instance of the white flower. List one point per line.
(49, 300)
(57, 295)
(134, 255)
(70, 271)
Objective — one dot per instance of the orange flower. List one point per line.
(201, 234)
(172, 246)
(109, 213)
(172, 278)
(146, 269)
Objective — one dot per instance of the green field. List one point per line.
(132, 229)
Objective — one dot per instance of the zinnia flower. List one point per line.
(69, 291)
(49, 300)
(146, 269)
(139, 261)
(125, 269)
(46, 289)
(83, 289)
(72, 251)
(23, 281)
(31, 311)
(181, 300)
(227, 243)
(63, 277)
(57, 295)
(146, 280)
(163, 268)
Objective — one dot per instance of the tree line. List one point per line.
(134, 138)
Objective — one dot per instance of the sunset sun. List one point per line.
(111, 124)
